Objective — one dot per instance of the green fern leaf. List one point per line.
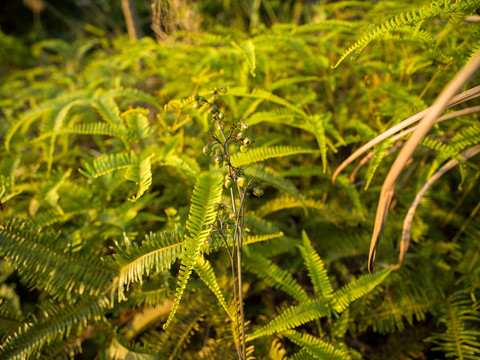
(248, 51)
(318, 128)
(206, 194)
(292, 317)
(288, 202)
(119, 351)
(40, 264)
(357, 288)
(258, 154)
(264, 95)
(252, 239)
(316, 269)
(141, 174)
(147, 317)
(205, 272)
(110, 162)
(157, 253)
(276, 276)
(317, 348)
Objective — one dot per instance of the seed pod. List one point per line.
(241, 181)
(239, 136)
(247, 142)
(221, 115)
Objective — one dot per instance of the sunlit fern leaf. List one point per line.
(33, 253)
(412, 17)
(187, 166)
(248, 51)
(120, 350)
(301, 355)
(291, 81)
(309, 170)
(317, 123)
(252, 239)
(206, 194)
(157, 253)
(280, 116)
(275, 276)
(258, 154)
(316, 269)
(292, 317)
(56, 323)
(110, 162)
(354, 290)
(288, 202)
(341, 324)
(33, 114)
(326, 25)
(461, 318)
(375, 162)
(108, 110)
(277, 352)
(316, 347)
(270, 176)
(265, 95)
(138, 123)
(133, 95)
(207, 275)
(94, 128)
(141, 174)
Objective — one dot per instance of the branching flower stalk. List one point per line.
(231, 225)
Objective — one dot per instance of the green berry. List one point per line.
(207, 150)
(241, 181)
(221, 116)
(229, 183)
(257, 191)
(243, 149)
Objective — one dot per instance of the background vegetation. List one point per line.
(105, 192)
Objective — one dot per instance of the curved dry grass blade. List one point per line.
(407, 224)
(458, 99)
(434, 111)
(366, 158)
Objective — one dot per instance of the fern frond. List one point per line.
(248, 51)
(110, 162)
(291, 81)
(317, 124)
(156, 254)
(206, 194)
(137, 121)
(461, 338)
(141, 174)
(57, 323)
(206, 274)
(146, 318)
(288, 202)
(316, 269)
(252, 239)
(120, 351)
(44, 267)
(317, 348)
(275, 276)
(258, 154)
(133, 94)
(264, 95)
(94, 128)
(270, 176)
(428, 11)
(292, 317)
(354, 290)
(281, 116)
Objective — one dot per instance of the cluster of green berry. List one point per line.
(220, 147)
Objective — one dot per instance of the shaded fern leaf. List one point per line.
(33, 254)
(275, 276)
(316, 347)
(121, 350)
(157, 253)
(461, 338)
(288, 202)
(292, 317)
(316, 269)
(206, 194)
(147, 318)
(258, 154)
(356, 289)
(206, 274)
(58, 322)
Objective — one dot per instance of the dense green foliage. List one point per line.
(108, 203)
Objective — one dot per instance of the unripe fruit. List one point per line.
(241, 181)
(247, 142)
(239, 136)
(229, 183)
(257, 191)
(221, 116)
(207, 150)
(219, 159)
(197, 105)
(243, 149)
